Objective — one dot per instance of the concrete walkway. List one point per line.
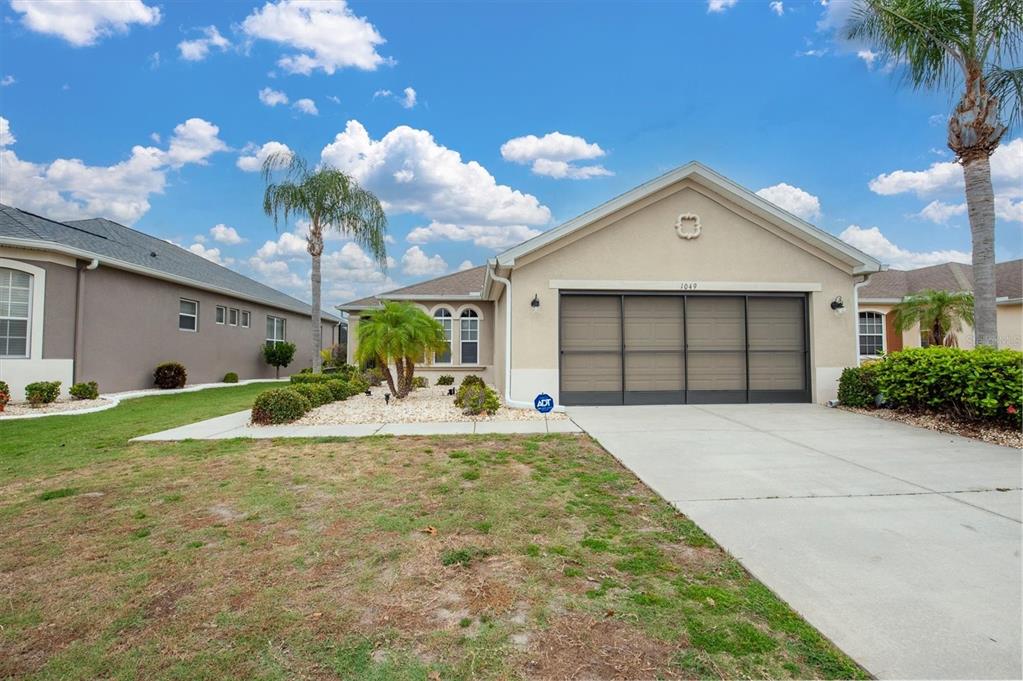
(901, 545)
(237, 425)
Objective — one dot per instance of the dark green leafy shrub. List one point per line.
(420, 382)
(42, 392)
(445, 379)
(358, 384)
(278, 355)
(280, 405)
(979, 384)
(303, 378)
(318, 394)
(341, 390)
(230, 377)
(85, 391)
(475, 399)
(170, 375)
(471, 379)
(858, 385)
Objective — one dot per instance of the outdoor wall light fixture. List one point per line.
(838, 305)
(535, 303)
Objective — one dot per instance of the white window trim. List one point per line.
(284, 329)
(237, 316)
(884, 334)
(217, 314)
(451, 341)
(246, 319)
(195, 316)
(36, 313)
(478, 318)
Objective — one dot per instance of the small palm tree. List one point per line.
(940, 314)
(400, 333)
(966, 44)
(329, 199)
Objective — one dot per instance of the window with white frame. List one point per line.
(232, 316)
(15, 310)
(221, 314)
(188, 315)
(871, 333)
(275, 330)
(246, 319)
(444, 317)
(470, 335)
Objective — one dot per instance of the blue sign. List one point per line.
(543, 403)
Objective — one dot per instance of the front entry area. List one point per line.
(675, 348)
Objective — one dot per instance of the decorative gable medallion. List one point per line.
(688, 226)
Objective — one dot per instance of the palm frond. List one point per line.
(1007, 85)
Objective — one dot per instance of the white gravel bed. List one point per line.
(61, 405)
(425, 405)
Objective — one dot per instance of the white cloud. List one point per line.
(465, 265)
(946, 176)
(277, 274)
(7, 80)
(939, 212)
(868, 57)
(335, 99)
(720, 5)
(252, 157)
(552, 155)
(351, 264)
(812, 52)
(307, 106)
(487, 236)
(288, 246)
(211, 254)
(408, 97)
(154, 62)
(7, 137)
(382, 93)
(272, 97)
(871, 241)
(326, 35)
(793, 199)
(70, 189)
(409, 100)
(411, 173)
(84, 22)
(777, 7)
(1007, 209)
(199, 49)
(416, 263)
(225, 235)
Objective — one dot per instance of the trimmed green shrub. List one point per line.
(475, 398)
(280, 405)
(358, 384)
(42, 392)
(230, 377)
(339, 389)
(982, 383)
(170, 375)
(301, 378)
(471, 379)
(445, 379)
(373, 377)
(5, 395)
(420, 382)
(857, 386)
(85, 391)
(278, 355)
(318, 394)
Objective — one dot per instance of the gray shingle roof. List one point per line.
(109, 240)
(466, 283)
(949, 276)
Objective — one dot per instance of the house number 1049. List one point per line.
(688, 285)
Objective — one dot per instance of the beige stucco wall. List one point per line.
(640, 244)
(1010, 327)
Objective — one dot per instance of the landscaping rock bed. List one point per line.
(986, 432)
(61, 405)
(432, 404)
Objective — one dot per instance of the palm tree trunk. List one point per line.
(317, 329)
(980, 202)
(387, 375)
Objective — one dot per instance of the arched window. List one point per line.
(871, 333)
(443, 315)
(470, 335)
(15, 312)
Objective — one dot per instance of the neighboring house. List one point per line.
(877, 333)
(688, 288)
(92, 300)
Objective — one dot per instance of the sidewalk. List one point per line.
(237, 425)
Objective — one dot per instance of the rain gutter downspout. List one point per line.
(80, 317)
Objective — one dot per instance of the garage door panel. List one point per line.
(714, 323)
(776, 371)
(776, 324)
(591, 323)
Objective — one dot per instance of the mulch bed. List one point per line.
(945, 423)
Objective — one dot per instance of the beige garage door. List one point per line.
(665, 349)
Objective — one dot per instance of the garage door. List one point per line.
(674, 348)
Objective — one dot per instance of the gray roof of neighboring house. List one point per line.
(461, 284)
(949, 276)
(115, 243)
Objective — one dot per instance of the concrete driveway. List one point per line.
(902, 545)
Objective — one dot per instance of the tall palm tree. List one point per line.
(940, 314)
(329, 199)
(401, 333)
(969, 46)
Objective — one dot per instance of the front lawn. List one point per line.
(408, 558)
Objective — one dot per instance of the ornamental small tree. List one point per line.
(402, 334)
(279, 355)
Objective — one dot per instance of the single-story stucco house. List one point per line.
(688, 288)
(93, 300)
(877, 331)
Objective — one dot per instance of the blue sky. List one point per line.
(155, 115)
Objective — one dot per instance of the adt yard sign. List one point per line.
(543, 403)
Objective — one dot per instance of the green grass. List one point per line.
(372, 558)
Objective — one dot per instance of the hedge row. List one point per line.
(978, 384)
(284, 405)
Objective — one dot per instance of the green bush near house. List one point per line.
(170, 375)
(278, 355)
(471, 379)
(857, 386)
(476, 398)
(85, 391)
(445, 379)
(358, 384)
(301, 378)
(318, 394)
(5, 395)
(280, 405)
(42, 392)
(230, 377)
(341, 390)
(420, 382)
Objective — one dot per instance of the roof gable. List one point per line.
(949, 276)
(465, 284)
